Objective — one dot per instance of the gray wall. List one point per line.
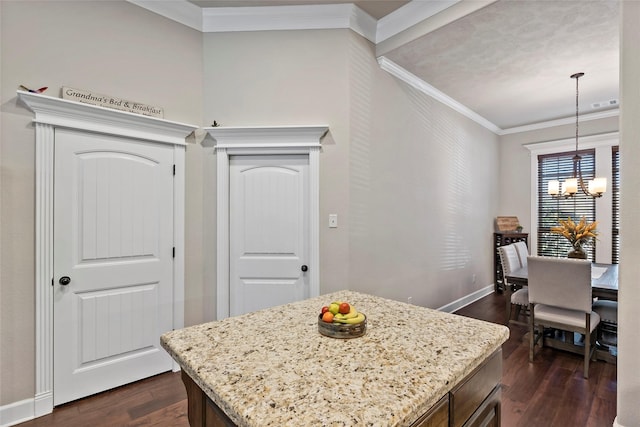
(422, 202)
(284, 78)
(628, 343)
(114, 48)
(411, 180)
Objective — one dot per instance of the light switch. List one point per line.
(333, 220)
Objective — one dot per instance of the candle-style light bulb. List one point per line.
(571, 186)
(598, 185)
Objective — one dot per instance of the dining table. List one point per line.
(604, 285)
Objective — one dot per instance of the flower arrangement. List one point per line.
(577, 234)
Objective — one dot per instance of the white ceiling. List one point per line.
(510, 61)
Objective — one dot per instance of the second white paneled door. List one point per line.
(269, 231)
(113, 265)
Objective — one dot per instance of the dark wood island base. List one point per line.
(474, 402)
(202, 411)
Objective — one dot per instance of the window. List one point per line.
(559, 166)
(615, 205)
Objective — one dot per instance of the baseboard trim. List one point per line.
(43, 404)
(17, 412)
(466, 300)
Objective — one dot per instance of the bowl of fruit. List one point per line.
(341, 320)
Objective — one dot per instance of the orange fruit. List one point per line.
(327, 317)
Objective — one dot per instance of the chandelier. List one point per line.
(569, 188)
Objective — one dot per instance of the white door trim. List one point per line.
(264, 140)
(51, 112)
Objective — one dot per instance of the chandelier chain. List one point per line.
(570, 187)
(577, 106)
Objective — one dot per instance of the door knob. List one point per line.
(64, 280)
(304, 268)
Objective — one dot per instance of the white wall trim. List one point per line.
(44, 268)
(16, 412)
(409, 15)
(53, 112)
(267, 18)
(262, 140)
(275, 18)
(296, 17)
(181, 11)
(414, 81)
(363, 23)
(468, 299)
(179, 221)
(223, 291)
(569, 144)
(76, 115)
(559, 122)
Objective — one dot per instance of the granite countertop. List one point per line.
(273, 368)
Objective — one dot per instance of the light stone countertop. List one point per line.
(273, 368)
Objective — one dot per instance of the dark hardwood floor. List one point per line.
(155, 401)
(551, 391)
(546, 393)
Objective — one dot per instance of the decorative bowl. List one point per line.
(342, 330)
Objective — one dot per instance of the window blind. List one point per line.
(559, 166)
(615, 205)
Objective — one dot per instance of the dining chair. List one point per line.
(560, 298)
(523, 252)
(608, 312)
(520, 298)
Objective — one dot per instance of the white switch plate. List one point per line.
(333, 220)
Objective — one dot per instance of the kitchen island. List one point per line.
(414, 366)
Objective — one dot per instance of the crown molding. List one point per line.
(429, 16)
(307, 17)
(568, 144)
(409, 15)
(298, 17)
(560, 122)
(424, 87)
(180, 11)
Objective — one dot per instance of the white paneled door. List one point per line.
(113, 232)
(269, 231)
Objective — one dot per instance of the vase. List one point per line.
(577, 252)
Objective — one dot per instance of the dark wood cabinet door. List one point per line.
(488, 414)
(437, 416)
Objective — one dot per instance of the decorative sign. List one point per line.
(110, 102)
(507, 223)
